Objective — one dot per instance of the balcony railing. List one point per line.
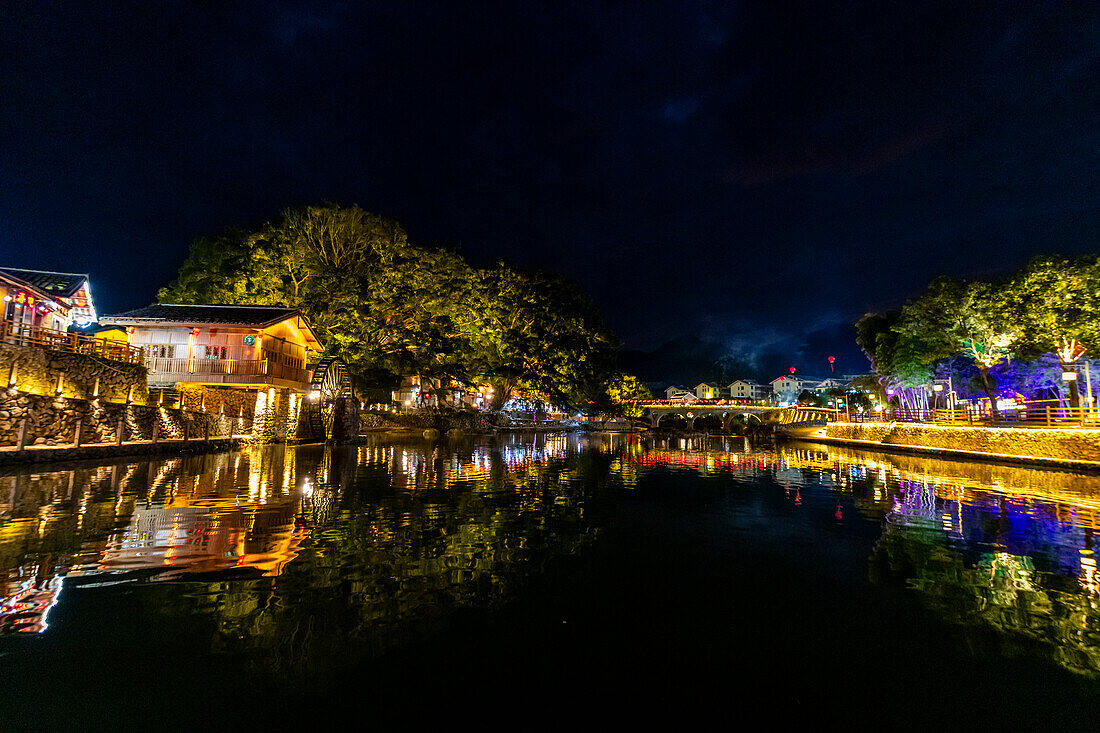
(223, 368)
(21, 334)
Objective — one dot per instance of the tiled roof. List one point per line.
(57, 284)
(245, 315)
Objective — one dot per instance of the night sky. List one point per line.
(757, 174)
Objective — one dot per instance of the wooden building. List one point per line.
(247, 361)
(222, 345)
(48, 300)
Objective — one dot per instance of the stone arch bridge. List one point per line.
(727, 413)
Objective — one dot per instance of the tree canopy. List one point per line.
(389, 307)
(1050, 307)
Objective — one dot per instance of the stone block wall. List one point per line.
(52, 420)
(36, 370)
(277, 416)
(227, 400)
(1064, 444)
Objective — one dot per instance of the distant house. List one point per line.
(748, 389)
(677, 392)
(408, 393)
(705, 391)
(673, 391)
(42, 299)
(794, 385)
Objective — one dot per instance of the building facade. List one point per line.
(47, 300)
(748, 389)
(249, 361)
(788, 387)
(706, 391)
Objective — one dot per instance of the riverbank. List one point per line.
(10, 456)
(1068, 448)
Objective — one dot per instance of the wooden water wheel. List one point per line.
(330, 382)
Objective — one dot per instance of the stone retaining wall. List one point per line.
(1067, 444)
(36, 369)
(52, 420)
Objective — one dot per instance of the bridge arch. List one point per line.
(709, 422)
(671, 418)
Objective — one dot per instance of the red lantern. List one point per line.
(792, 370)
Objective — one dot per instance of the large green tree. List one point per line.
(950, 317)
(391, 307)
(1055, 302)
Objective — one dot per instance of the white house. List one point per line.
(787, 388)
(676, 392)
(748, 389)
(706, 391)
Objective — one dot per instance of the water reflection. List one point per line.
(299, 555)
(363, 537)
(997, 546)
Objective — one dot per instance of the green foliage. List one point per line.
(1049, 307)
(392, 308)
(624, 392)
(809, 399)
(1055, 299)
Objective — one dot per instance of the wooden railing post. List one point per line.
(121, 428)
(1048, 413)
(21, 436)
(76, 432)
(156, 428)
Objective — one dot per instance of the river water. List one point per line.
(535, 581)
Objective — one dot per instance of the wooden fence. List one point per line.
(1028, 413)
(20, 334)
(167, 368)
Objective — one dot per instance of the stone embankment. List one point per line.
(48, 454)
(1069, 446)
(83, 376)
(473, 422)
(53, 421)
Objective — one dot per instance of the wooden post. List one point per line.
(186, 429)
(21, 440)
(1088, 388)
(156, 429)
(1048, 413)
(206, 430)
(121, 428)
(76, 435)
